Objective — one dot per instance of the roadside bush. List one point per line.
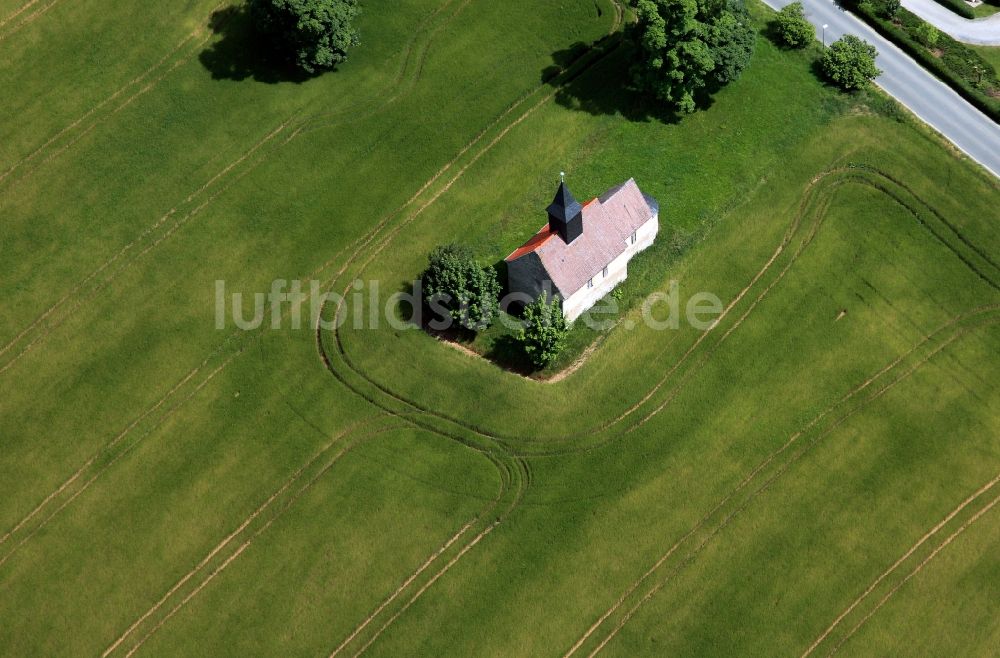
(958, 66)
(927, 34)
(469, 293)
(884, 8)
(544, 334)
(850, 63)
(792, 27)
(959, 7)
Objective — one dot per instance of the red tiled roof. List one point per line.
(608, 223)
(536, 241)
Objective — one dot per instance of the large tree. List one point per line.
(314, 34)
(687, 46)
(470, 293)
(850, 62)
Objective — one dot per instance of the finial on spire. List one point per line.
(562, 176)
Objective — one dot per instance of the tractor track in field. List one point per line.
(81, 299)
(17, 12)
(90, 462)
(134, 82)
(782, 468)
(204, 564)
(522, 482)
(888, 572)
(323, 119)
(295, 132)
(965, 526)
(344, 435)
(27, 20)
(101, 469)
(240, 347)
(402, 588)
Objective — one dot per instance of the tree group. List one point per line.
(689, 47)
(468, 292)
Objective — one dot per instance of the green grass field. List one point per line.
(819, 472)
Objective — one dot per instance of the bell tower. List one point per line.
(565, 214)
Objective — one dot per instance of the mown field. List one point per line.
(819, 472)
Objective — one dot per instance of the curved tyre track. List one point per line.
(520, 477)
(835, 179)
(815, 195)
(240, 346)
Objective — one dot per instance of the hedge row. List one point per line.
(959, 7)
(956, 65)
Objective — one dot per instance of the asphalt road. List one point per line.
(981, 31)
(910, 84)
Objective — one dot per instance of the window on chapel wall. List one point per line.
(605, 272)
(634, 236)
(590, 284)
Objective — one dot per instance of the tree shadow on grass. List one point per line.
(241, 53)
(509, 354)
(595, 78)
(499, 346)
(772, 34)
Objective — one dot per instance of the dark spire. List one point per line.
(564, 207)
(565, 214)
